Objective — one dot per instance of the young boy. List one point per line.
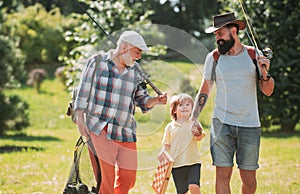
(181, 143)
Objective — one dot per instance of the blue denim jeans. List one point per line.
(227, 140)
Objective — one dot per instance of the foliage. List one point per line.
(66, 7)
(186, 87)
(276, 23)
(11, 59)
(11, 63)
(14, 114)
(188, 15)
(39, 33)
(36, 78)
(13, 111)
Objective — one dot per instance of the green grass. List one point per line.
(38, 160)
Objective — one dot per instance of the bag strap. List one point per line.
(216, 56)
(98, 59)
(74, 176)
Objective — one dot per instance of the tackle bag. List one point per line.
(74, 183)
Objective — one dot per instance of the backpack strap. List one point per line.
(251, 52)
(216, 56)
(97, 62)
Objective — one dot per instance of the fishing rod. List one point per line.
(267, 51)
(136, 64)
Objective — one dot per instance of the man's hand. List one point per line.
(267, 83)
(160, 99)
(264, 65)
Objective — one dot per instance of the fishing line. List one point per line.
(266, 51)
(252, 39)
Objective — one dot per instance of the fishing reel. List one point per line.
(267, 52)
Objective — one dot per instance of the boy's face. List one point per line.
(184, 109)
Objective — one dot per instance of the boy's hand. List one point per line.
(198, 131)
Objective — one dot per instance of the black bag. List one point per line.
(74, 183)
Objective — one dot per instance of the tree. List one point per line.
(277, 24)
(66, 7)
(38, 33)
(187, 15)
(13, 111)
(186, 87)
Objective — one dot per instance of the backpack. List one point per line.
(251, 53)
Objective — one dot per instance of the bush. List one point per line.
(14, 115)
(39, 33)
(11, 64)
(186, 87)
(36, 78)
(13, 112)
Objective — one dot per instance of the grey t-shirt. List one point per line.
(236, 98)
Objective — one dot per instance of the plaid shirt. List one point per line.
(113, 98)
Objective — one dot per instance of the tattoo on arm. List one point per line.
(199, 104)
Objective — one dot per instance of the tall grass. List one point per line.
(38, 160)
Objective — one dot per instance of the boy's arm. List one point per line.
(166, 147)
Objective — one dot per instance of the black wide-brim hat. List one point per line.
(224, 19)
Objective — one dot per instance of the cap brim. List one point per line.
(240, 23)
(143, 47)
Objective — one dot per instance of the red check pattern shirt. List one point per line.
(113, 98)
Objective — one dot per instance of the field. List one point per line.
(38, 159)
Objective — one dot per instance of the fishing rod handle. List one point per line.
(139, 69)
(268, 74)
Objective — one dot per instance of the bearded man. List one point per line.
(235, 128)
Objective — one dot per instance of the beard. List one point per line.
(225, 45)
(128, 60)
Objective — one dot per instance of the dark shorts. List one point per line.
(227, 140)
(186, 175)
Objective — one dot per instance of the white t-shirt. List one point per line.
(236, 98)
(184, 148)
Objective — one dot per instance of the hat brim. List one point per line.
(240, 23)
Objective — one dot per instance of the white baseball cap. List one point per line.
(135, 39)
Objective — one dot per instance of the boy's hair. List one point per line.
(175, 100)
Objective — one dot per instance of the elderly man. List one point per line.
(109, 122)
